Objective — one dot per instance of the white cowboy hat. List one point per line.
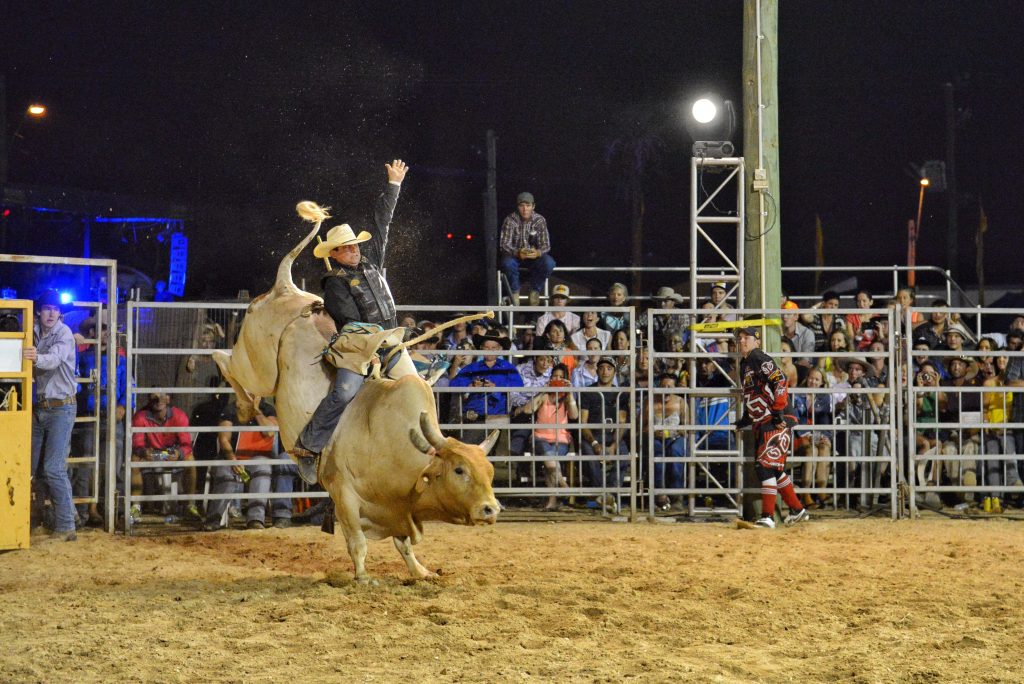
(339, 236)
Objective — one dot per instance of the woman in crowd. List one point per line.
(995, 441)
(785, 362)
(620, 342)
(838, 342)
(556, 339)
(617, 296)
(553, 408)
(814, 409)
(854, 321)
(927, 406)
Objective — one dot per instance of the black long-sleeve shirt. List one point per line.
(338, 298)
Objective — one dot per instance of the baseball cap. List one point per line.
(525, 197)
(606, 359)
(560, 291)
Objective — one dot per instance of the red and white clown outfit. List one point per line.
(765, 396)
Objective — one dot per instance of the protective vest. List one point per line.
(765, 389)
(370, 292)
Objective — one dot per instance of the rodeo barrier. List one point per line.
(643, 445)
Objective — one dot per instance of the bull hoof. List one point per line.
(367, 581)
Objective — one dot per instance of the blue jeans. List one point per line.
(539, 268)
(284, 483)
(674, 471)
(51, 439)
(597, 475)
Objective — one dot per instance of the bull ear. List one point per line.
(489, 443)
(432, 471)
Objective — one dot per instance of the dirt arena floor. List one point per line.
(828, 601)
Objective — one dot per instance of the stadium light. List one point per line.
(711, 123)
(36, 110)
(704, 110)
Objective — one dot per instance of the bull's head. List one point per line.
(456, 485)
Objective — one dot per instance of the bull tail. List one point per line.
(315, 214)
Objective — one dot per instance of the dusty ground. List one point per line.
(828, 601)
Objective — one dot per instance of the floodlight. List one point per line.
(66, 297)
(704, 110)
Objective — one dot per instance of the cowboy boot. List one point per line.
(308, 464)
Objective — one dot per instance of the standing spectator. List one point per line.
(828, 365)
(765, 396)
(535, 372)
(553, 408)
(200, 370)
(160, 293)
(906, 297)
(525, 243)
(233, 479)
(669, 411)
(1014, 377)
(617, 296)
(789, 369)
(927, 407)
(814, 409)
(994, 441)
(589, 330)
(162, 446)
(53, 410)
(607, 407)
(559, 297)
(824, 324)
(962, 372)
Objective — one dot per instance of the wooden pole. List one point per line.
(762, 280)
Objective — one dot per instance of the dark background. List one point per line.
(239, 110)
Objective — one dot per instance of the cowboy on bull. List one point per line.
(765, 396)
(358, 298)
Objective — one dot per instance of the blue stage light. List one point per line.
(66, 297)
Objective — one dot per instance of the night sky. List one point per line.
(239, 110)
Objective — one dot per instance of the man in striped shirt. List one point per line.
(525, 244)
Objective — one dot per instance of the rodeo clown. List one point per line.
(765, 394)
(359, 300)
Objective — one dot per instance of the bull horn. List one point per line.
(431, 431)
(489, 443)
(417, 440)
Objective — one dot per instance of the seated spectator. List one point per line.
(827, 364)
(586, 372)
(669, 411)
(786, 364)
(559, 297)
(525, 243)
(553, 408)
(447, 402)
(618, 294)
(491, 371)
(869, 331)
(863, 300)
(623, 372)
(526, 338)
(824, 324)
(934, 329)
(589, 331)
(719, 300)
(162, 446)
(861, 409)
(880, 364)
(407, 321)
(675, 367)
(665, 325)
(234, 479)
(957, 338)
(799, 334)
(457, 333)
(556, 338)
(814, 409)
(906, 297)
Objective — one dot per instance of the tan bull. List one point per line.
(387, 468)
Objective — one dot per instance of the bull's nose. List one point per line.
(489, 512)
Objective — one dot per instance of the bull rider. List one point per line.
(358, 298)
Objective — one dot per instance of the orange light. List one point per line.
(925, 182)
(36, 110)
